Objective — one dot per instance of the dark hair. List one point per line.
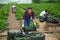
(45, 10)
(30, 8)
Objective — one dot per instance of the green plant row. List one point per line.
(3, 17)
(19, 13)
(53, 9)
(1, 5)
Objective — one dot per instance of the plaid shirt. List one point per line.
(27, 16)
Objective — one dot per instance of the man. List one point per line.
(43, 15)
(13, 8)
(27, 17)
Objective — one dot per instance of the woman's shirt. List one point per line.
(28, 16)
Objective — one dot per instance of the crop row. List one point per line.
(3, 17)
(53, 9)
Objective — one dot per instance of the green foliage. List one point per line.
(3, 17)
(1, 5)
(53, 8)
(18, 13)
(32, 23)
(3, 25)
(37, 24)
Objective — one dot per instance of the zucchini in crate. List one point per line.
(22, 38)
(30, 28)
(16, 33)
(37, 36)
(53, 20)
(33, 36)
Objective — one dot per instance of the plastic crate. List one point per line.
(32, 37)
(28, 29)
(16, 33)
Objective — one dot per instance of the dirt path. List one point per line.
(49, 37)
(13, 23)
(3, 35)
(40, 29)
(3, 38)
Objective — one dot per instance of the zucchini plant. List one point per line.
(3, 17)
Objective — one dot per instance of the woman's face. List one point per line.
(29, 10)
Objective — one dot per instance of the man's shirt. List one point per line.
(43, 13)
(28, 16)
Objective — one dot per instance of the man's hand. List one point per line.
(34, 22)
(22, 25)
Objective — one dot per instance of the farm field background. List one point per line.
(53, 9)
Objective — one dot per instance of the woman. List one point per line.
(26, 18)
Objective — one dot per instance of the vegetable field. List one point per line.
(3, 17)
(1, 5)
(53, 9)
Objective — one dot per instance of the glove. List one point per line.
(23, 28)
(22, 25)
(34, 23)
